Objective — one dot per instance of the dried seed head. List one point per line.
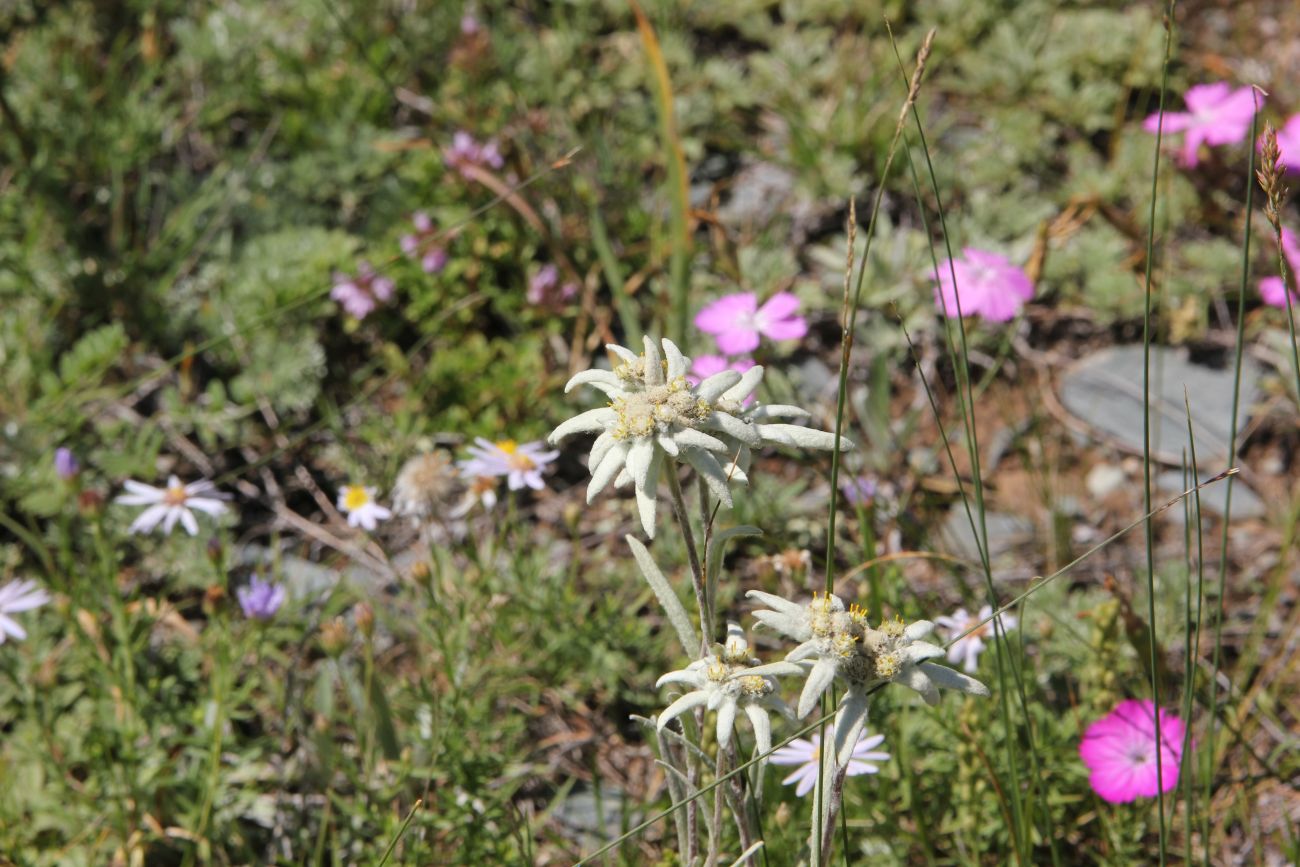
(1270, 175)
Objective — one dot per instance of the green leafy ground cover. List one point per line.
(180, 181)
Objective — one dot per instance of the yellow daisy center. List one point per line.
(355, 498)
(175, 495)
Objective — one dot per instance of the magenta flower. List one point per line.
(1272, 289)
(988, 285)
(361, 293)
(419, 244)
(737, 322)
(1120, 751)
(544, 287)
(1216, 115)
(1288, 144)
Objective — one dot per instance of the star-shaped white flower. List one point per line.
(835, 642)
(655, 412)
(967, 650)
(173, 503)
(719, 682)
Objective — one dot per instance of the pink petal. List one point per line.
(723, 314)
(1203, 97)
(780, 306)
(738, 341)
(1175, 122)
(786, 329)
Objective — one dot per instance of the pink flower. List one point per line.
(1288, 144)
(1120, 751)
(433, 258)
(360, 294)
(469, 25)
(544, 287)
(1217, 115)
(737, 322)
(465, 151)
(989, 285)
(707, 365)
(1271, 289)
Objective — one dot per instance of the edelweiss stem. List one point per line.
(692, 553)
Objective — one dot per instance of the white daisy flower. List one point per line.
(807, 754)
(841, 643)
(654, 411)
(358, 503)
(719, 682)
(173, 503)
(18, 596)
(967, 650)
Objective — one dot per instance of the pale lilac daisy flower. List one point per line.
(1272, 289)
(987, 284)
(260, 599)
(419, 244)
(967, 650)
(66, 464)
(361, 293)
(520, 463)
(173, 503)
(358, 503)
(15, 597)
(737, 321)
(807, 754)
(1120, 752)
(1217, 114)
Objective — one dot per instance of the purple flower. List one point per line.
(989, 285)
(66, 464)
(1120, 751)
(1216, 115)
(469, 25)
(1288, 144)
(361, 293)
(1272, 289)
(464, 151)
(520, 463)
(860, 491)
(544, 287)
(737, 322)
(260, 599)
(419, 244)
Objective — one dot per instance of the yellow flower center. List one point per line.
(175, 495)
(508, 446)
(355, 497)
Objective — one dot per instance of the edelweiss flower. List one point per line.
(522, 465)
(358, 503)
(654, 411)
(841, 643)
(807, 754)
(18, 596)
(170, 504)
(720, 682)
